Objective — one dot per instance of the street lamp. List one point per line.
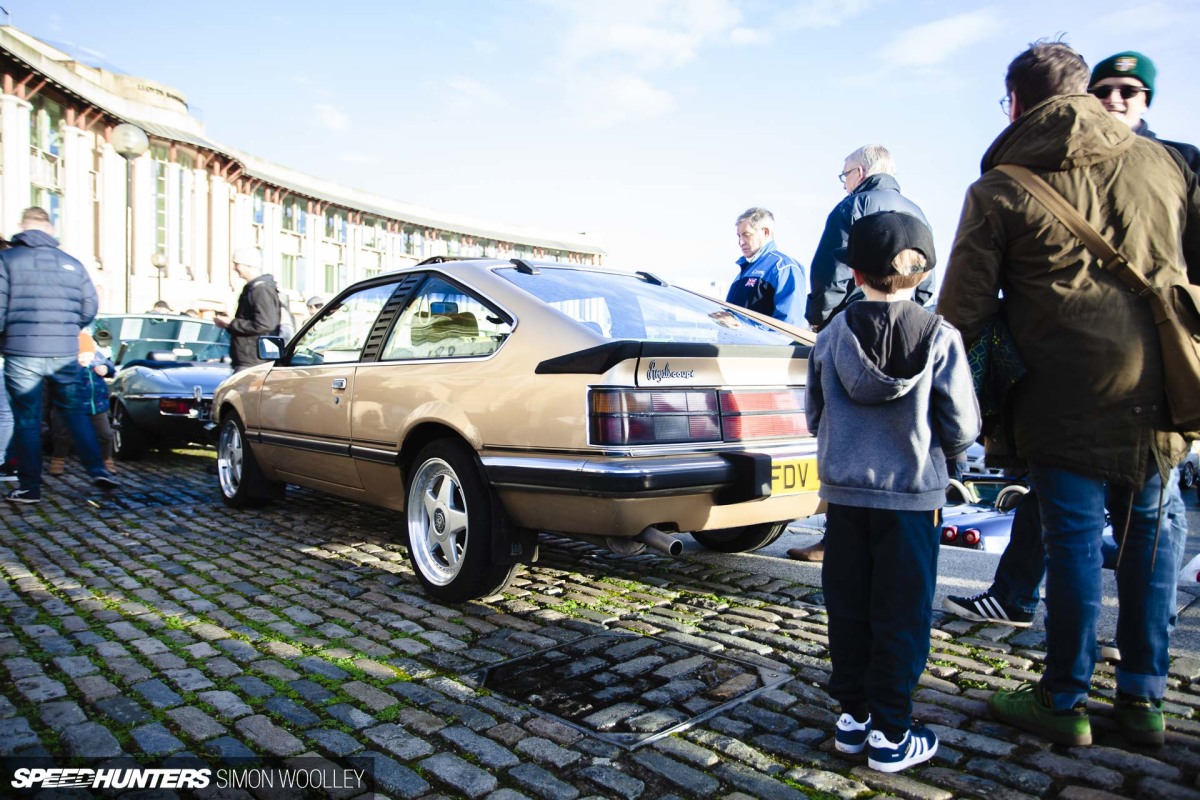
(160, 263)
(130, 142)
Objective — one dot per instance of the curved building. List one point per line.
(193, 201)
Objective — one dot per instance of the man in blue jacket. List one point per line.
(870, 188)
(769, 282)
(46, 297)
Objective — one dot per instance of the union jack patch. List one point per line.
(751, 281)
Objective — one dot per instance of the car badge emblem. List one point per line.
(439, 521)
(1125, 64)
(198, 393)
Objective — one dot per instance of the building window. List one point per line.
(183, 207)
(294, 215)
(49, 200)
(159, 157)
(287, 272)
(331, 278)
(372, 233)
(45, 125)
(335, 225)
(259, 201)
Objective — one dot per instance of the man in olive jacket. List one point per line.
(1090, 416)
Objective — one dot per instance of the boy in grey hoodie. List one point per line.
(890, 399)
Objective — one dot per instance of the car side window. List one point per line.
(443, 321)
(340, 332)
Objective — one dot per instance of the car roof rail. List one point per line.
(525, 267)
(650, 277)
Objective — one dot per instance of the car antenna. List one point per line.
(650, 277)
(525, 267)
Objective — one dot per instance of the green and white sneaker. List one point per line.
(1028, 708)
(1140, 719)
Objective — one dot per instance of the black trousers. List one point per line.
(879, 576)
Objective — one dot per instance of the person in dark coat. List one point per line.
(868, 176)
(257, 312)
(46, 298)
(1124, 85)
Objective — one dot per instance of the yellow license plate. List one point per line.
(794, 475)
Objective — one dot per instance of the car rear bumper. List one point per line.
(731, 477)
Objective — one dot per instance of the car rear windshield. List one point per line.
(628, 307)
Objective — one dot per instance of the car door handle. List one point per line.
(339, 383)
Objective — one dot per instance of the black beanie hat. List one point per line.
(877, 238)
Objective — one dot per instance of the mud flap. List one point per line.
(510, 544)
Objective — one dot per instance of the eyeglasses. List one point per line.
(1127, 92)
(843, 175)
(1006, 105)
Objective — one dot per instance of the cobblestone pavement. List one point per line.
(155, 621)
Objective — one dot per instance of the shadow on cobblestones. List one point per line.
(155, 622)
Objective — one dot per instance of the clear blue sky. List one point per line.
(649, 124)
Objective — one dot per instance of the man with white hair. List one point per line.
(868, 177)
(257, 312)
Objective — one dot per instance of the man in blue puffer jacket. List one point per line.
(871, 188)
(46, 297)
(768, 282)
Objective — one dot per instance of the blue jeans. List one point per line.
(1072, 508)
(24, 377)
(6, 425)
(1023, 562)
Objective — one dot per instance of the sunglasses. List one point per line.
(1127, 92)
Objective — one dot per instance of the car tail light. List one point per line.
(621, 416)
(762, 414)
(174, 405)
(950, 534)
(971, 537)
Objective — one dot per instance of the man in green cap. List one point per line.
(1124, 84)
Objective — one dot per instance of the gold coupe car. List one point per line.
(489, 400)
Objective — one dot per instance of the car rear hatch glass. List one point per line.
(642, 308)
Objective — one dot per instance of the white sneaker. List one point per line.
(851, 735)
(918, 746)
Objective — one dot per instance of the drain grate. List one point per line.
(628, 689)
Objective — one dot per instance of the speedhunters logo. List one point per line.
(113, 778)
(296, 778)
(656, 375)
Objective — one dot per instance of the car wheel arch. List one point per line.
(422, 434)
(441, 414)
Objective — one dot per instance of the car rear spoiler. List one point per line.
(600, 359)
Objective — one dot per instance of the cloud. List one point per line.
(646, 34)
(611, 99)
(467, 95)
(935, 42)
(1147, 17)
(331, 117)
(813, 14)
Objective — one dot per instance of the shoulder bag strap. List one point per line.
(1067, 214)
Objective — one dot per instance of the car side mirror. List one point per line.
(270, 348)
